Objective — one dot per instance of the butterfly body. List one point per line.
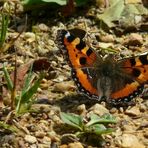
(115, 81)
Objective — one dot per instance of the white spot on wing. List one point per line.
(67, 34)
(78, 84)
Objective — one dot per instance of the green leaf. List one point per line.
(8, 79)
(112, 13)
(99, 129)
(26, 97)
(123, 12)
(60, 2)
(72, 120)
(32, 90)
(4, 27)
(107, 118)
(7, 127)
(130, 14)
(81, 2)
(39, 2)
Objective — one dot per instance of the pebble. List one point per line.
(113, 110)
(51, 42)
(105, 45)
(75, 145)
(32, 128)
(30, 139)
(133, 39)
(46, 140)
(99, 109)
(143, 108)
(82, 109)
(21, 143)
(63, 86)
(63, 146)
(107, 38)
(43, 27)
(134, 111)
(60, 78)
(54, 63)
(40, 134)
(129, 141)
(44, 86)
(33, 146)
(30, 37)
(8, 138)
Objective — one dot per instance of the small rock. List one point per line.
(101, 4)
(30, 139)
(82, 109)
(56, 119)
(41, 107)
(63, 146)
(107, 38)
(63, 86)
(54, 63)
(33, 146)
(134, 111)
(113, 110)
(105, 45)
(50, 42)
(8, 139)
(46, 140)
(40, 134)
(44, 86)
(143, 108)
(60, 78)
(129, 141)
(43, 27)
(53, 136)
(21, 143)
(133, 40)
(32, 127)
(30, 37)
(99, 109)
(75, 145)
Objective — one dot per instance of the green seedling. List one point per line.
(4, 28)
(7, 127)
(96, 126)
(24, 100)
(59, 2)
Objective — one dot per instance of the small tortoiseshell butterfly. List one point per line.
(118, 81)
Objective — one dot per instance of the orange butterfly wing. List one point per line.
(80, 56)
(137, 69)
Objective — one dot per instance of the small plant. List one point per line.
(96, 126)
(7, 127)
(22, 102)
(4, 27)
(59, 2)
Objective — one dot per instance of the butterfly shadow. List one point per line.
(71, 102)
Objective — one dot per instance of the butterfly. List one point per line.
(116, 81)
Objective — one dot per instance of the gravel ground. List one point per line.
(43, 128)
